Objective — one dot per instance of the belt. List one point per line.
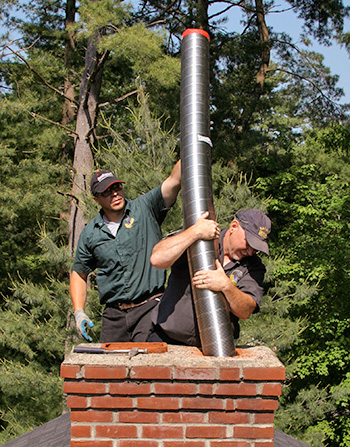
(131, 304)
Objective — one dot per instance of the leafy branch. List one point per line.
(38, 75)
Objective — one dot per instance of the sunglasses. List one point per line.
(114, 188)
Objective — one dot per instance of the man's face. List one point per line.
(235, 243)
(113, 199)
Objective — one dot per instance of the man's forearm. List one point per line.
(78, 289)
(241, 304)
(169, 250)
(172, 185)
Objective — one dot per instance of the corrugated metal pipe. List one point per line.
(212, 309)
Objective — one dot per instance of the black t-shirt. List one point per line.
(175, 313)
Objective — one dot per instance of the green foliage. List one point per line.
(103, 15)
(27, 199)
(31, 395)
(309, 209)
(137, 53)
(143, 156)
(31, 358)
(322, 21)
(280, 150)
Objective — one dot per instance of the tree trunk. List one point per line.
(202, 20)
(90, 87)
(68, 106)
(265, 43)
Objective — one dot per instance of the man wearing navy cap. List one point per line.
(239, 274)
(118, 242)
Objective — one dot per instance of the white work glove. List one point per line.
(81, 323)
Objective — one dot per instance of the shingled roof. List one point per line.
(56, 433)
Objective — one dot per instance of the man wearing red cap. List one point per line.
(118, 242)
(239, 274)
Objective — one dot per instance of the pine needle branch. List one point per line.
(32, 69)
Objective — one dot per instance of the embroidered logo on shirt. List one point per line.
(129, 223)
(235, 276)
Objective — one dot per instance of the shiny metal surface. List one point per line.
(211, 307)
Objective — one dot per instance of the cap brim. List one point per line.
(112, 183)
(256, 243)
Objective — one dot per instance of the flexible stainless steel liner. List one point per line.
(212, 310)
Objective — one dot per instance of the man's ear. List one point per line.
(96, 200)
(234, 225)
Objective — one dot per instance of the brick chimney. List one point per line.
(175, 399)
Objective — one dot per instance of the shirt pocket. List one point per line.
(106, 255)
(130, 238)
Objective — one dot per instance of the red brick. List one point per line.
(183, 418)
(264, 374)
(264, 418)
(116, 431)
(264, 444)
(80, 431)
(137, 443)
(254, 432)
(202, 403)
(272, 389)
(105, 372)
(158, 403)
(111, 402)
(129, 388)
(139, 417)
(162, 432)
(175, 388)
(230, 374)
(230, 405)
(205, 431)
(228, 418)
(230, 444)
(84, 388)
(184, 443)
(148, 372)
(236, 389)
(206, 389)
(195, 374)
(257, 404)
(70, 371)
(91, 416)
(91, 443)
(76, 402)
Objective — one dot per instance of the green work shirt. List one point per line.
(124, 271)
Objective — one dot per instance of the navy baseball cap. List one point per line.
(101, 181)
(257, 228)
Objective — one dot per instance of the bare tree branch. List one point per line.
(66, 194)
(22, 49)
(227, 8)
(118, 99)
(35, 115)
(303, 56)
(303, 78)
(39, 75)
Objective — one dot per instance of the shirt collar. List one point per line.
(99, 222)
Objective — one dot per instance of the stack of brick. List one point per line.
(175, 399)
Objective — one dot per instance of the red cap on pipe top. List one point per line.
(196, 30)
